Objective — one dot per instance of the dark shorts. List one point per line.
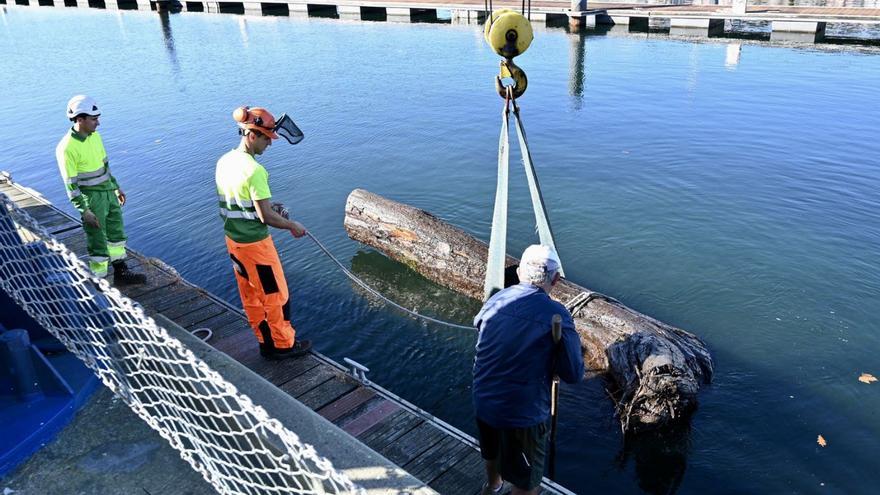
(519, 452)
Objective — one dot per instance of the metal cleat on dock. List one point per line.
(358, 371)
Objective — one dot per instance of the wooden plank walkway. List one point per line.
(436, 453)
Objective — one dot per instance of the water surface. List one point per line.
(727, 188)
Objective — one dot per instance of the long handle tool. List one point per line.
(554, 398)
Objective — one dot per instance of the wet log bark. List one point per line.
(657, 368)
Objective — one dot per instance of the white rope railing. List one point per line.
(235, 445)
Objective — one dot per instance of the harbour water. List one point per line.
(726, 187)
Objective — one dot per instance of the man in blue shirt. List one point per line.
(513, 369)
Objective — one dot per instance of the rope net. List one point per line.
(235, 445)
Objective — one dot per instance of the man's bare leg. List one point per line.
(492, 474)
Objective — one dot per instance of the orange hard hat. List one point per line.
(256, 118)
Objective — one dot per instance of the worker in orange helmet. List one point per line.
(247, 212)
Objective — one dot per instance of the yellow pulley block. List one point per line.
(508, 32)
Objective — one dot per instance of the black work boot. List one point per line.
(265, 350)
(300, 348)
(123, 276)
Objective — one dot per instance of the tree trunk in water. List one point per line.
(657, 368)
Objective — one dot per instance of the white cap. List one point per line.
(542, 257)
(80, 104)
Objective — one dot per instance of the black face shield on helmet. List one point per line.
(288, 130)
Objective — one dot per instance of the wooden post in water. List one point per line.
(576, 18)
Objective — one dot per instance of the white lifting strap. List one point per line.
(498, 239)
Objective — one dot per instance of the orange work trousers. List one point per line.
(263, 291)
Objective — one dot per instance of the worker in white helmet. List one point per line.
(94, 191)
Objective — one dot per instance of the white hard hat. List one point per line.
(541, 256)
(80, 104)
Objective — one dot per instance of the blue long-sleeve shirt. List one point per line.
(513, 365)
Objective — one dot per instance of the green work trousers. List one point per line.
(107, 243)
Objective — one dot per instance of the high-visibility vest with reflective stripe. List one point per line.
(240, 182)
(84, 167)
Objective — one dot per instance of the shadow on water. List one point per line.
(852, 42)
(275, 10)
(323, 11)
(660, 458)
(430, 16)
(376, 14)
(168, 39)
(411, 290)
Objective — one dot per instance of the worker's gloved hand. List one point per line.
(282, 210)
(89, 218)
(298, 229)
(121, 197)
